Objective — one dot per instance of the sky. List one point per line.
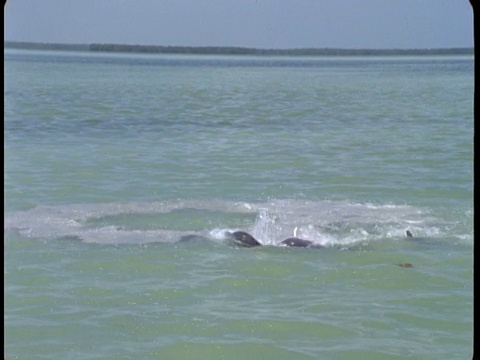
(272, 24)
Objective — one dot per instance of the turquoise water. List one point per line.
(123, 174)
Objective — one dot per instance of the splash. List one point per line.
(267, 228)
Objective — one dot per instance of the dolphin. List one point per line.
(243, 238)
(297, 242)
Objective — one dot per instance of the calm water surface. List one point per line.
(124, 173)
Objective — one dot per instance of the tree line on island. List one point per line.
(233, 50)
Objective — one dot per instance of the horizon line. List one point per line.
(239, 50)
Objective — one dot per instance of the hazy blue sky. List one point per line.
(248, 23)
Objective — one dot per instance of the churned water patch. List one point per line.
(327, 223)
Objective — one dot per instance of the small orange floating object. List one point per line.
(405, 265)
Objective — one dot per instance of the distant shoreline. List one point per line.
(231, 50)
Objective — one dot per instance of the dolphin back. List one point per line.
(296, 242)
(242, 238)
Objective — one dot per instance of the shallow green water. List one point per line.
(123, 174)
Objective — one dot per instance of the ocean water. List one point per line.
(124, 173)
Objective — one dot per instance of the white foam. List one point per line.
(220, 234)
